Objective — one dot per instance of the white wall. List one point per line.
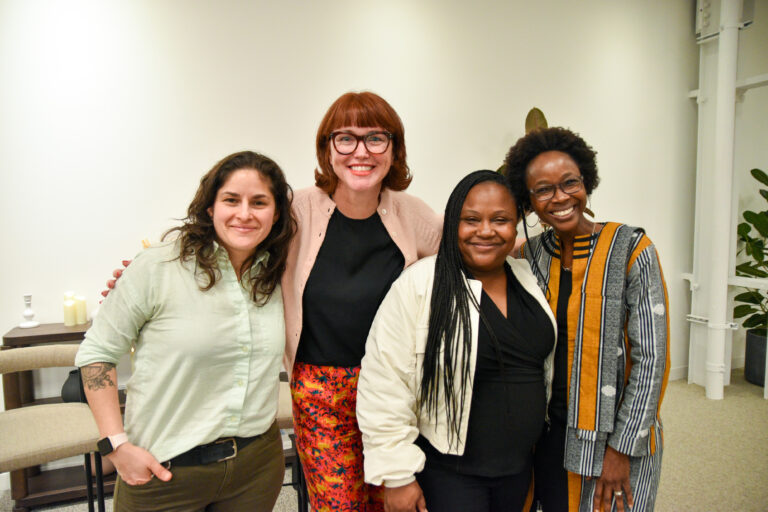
(751, 137)
(110, 111)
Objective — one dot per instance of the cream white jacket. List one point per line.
(391, 370)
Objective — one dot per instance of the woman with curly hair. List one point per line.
(204, 315)
(602, 446)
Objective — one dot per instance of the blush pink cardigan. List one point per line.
(414, 227)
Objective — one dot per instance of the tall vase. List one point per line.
(28, 314)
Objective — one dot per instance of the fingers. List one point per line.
(625, 493)
(607, 498)
(619, 501)
(605, 494)
(421, 504)
(135, 476)
(160, 472)
(407, 498)
(597, 503)
(116, 274)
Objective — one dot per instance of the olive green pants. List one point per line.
(249, 482)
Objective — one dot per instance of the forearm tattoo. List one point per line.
(96, 376)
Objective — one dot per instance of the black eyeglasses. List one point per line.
(346, 143)
(568, 186)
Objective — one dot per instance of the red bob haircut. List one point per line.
(364, 109)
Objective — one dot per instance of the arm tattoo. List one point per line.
(96, 375)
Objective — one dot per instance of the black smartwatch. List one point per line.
(110, 443)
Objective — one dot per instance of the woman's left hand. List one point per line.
(407, 498)
(614, 482)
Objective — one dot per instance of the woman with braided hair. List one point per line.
(455, 379)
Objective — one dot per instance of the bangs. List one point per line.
(360, 111)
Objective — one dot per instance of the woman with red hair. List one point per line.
(357, 230)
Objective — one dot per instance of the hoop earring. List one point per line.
(525, 219)
(588, 208)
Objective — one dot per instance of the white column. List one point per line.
(725, 105)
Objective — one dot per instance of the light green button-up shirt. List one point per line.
(206, 363)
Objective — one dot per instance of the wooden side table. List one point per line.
(32, 487)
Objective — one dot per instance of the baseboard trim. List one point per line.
(678, 373)
(681, 372)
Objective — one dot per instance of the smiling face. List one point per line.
(243, 213)
(564, 212)
(361, 170)
(487, 228)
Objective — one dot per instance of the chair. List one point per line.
(36, 434)
(285, 421)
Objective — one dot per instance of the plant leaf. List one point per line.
(743, 230)
(750, 297)
(749, 270)
(758, 250)
(755, 249)
(535, 120)
(749, 247)
(759, 176)
(756, 320)
(743, 310)
(764, 193)
(758, 220)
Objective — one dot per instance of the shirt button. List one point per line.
(240, 382)
(245, 349)
(233, 419)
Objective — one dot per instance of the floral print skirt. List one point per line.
(328, 439)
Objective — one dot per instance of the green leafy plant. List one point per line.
(754, 303)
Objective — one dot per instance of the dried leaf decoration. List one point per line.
(535, 120)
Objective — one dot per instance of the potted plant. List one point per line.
(752, 305)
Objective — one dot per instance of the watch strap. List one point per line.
(118, 439)
(111, 443)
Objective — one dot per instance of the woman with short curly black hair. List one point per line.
(550, 139)
(605, 285)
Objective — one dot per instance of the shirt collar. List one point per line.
(222, 256)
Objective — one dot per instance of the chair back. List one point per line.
(41, 356)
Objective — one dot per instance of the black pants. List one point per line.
(448, 491)
(550, 479)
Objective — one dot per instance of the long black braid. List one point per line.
(449, 315)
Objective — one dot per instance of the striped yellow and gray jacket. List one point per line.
(618, 341)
